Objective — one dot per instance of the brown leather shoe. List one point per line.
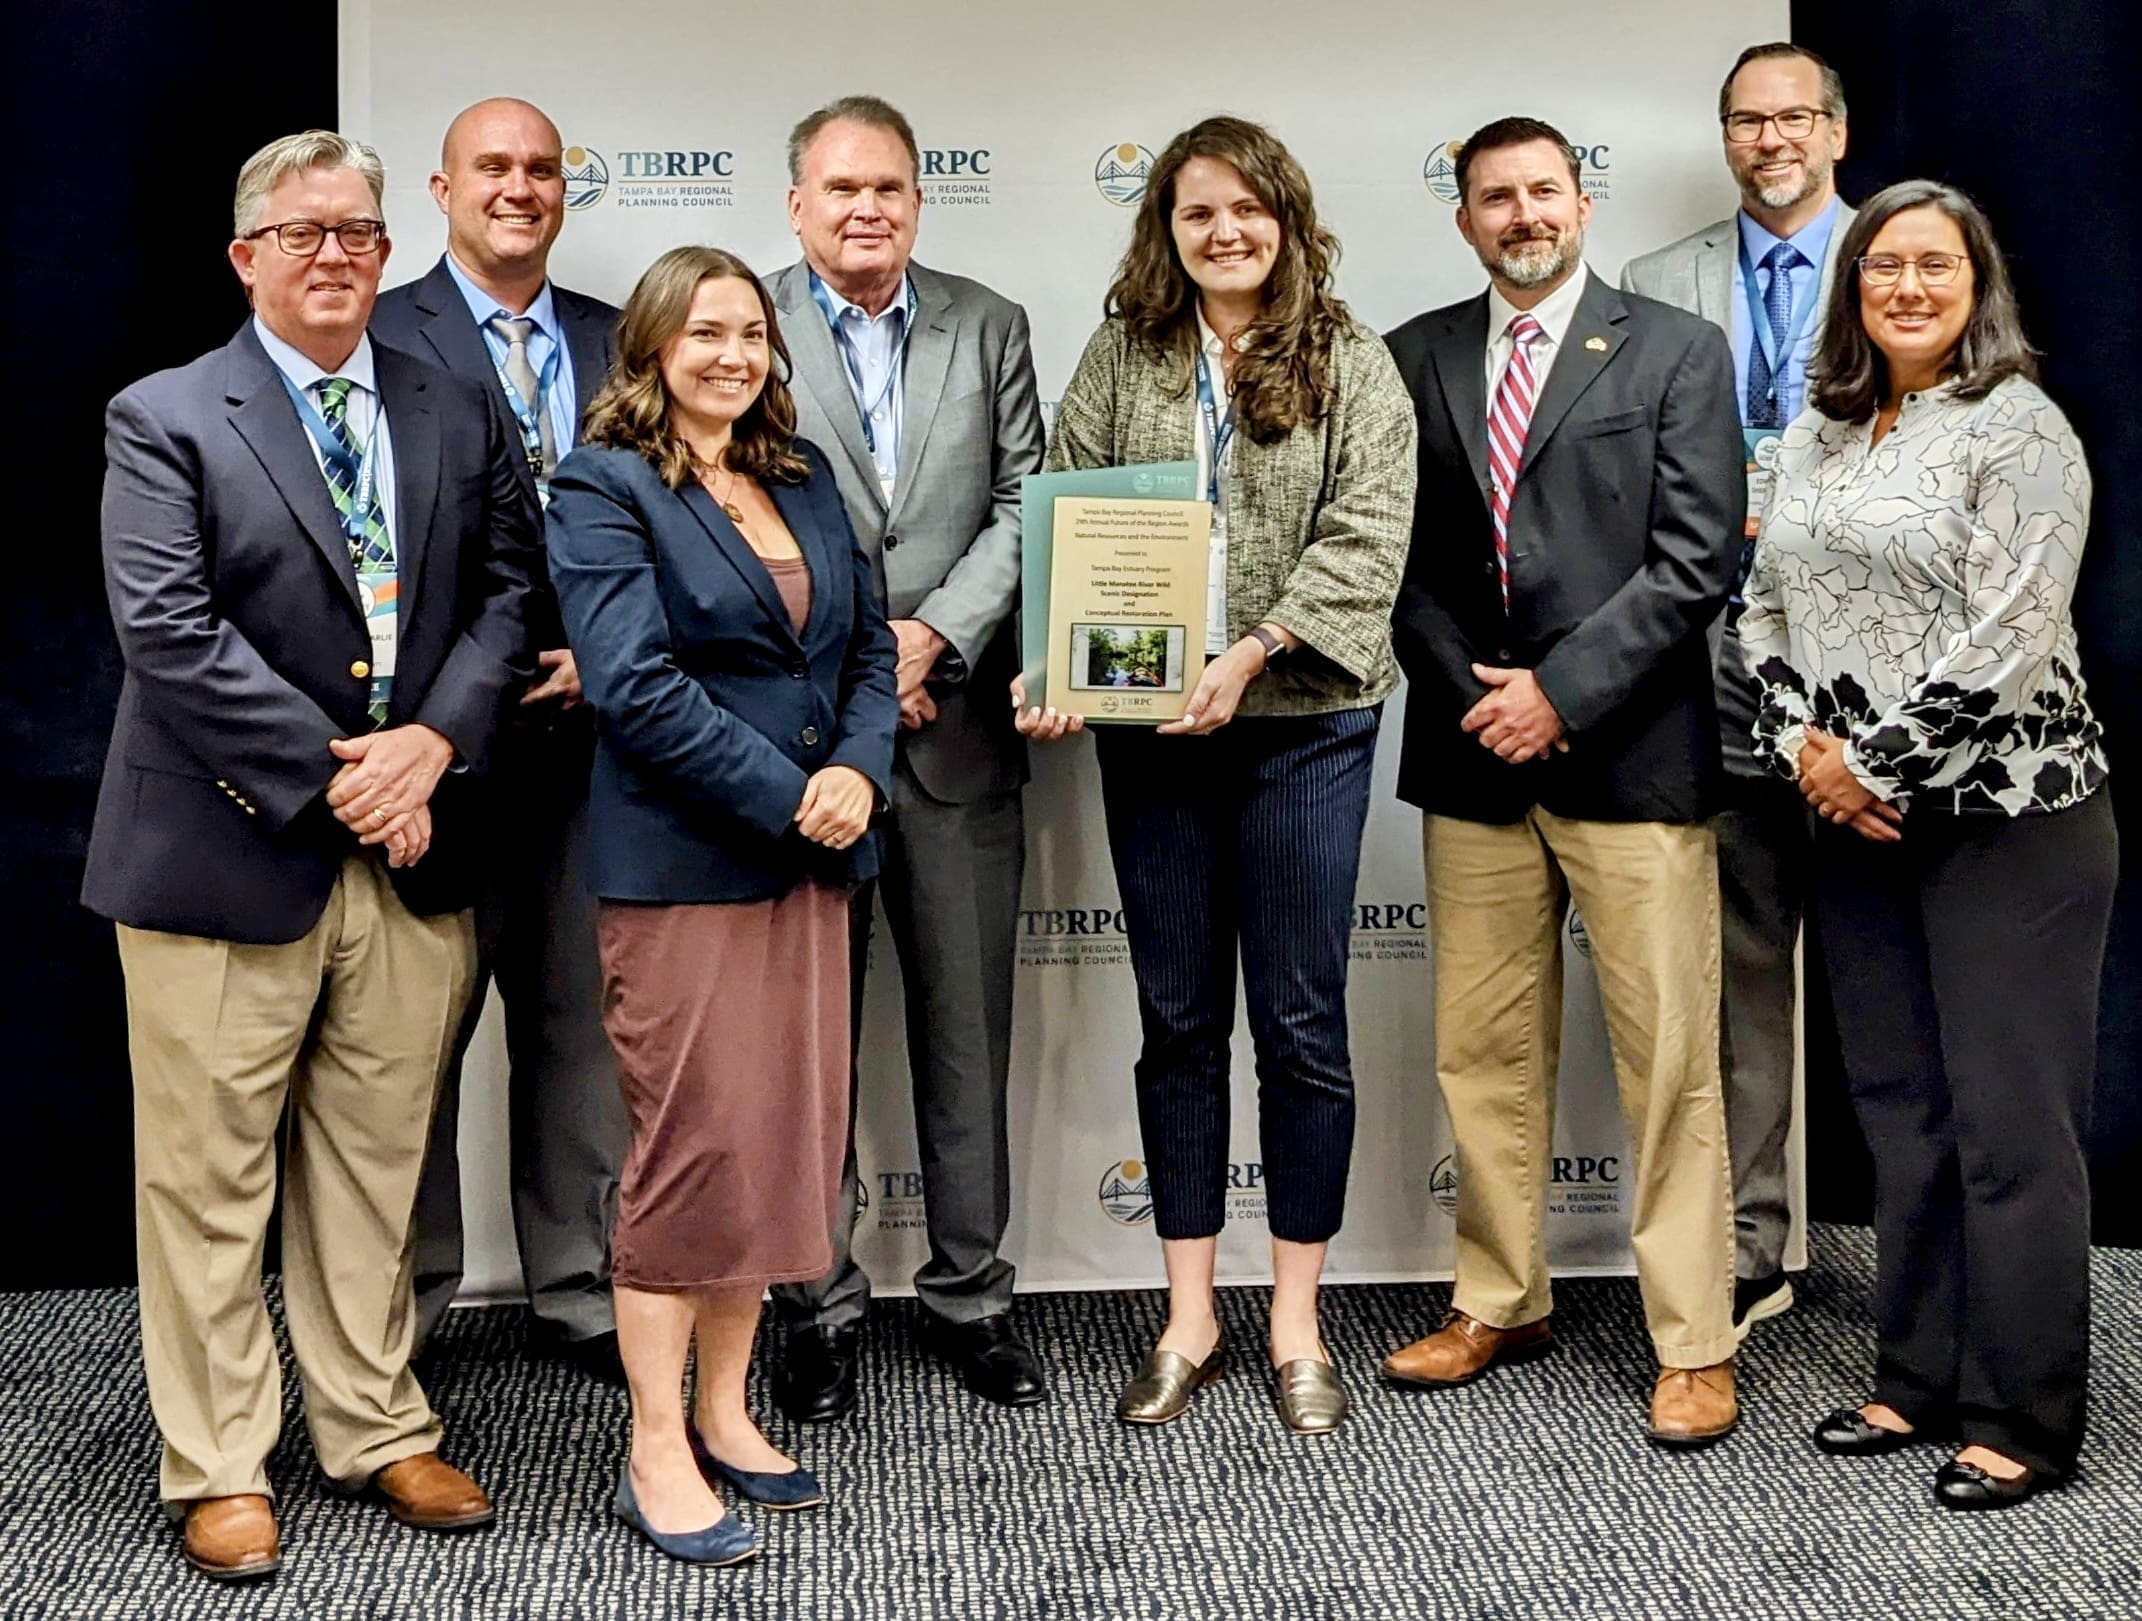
(1463, 1349)
(431, 1494)
(1692, 1407)
(232, 1539)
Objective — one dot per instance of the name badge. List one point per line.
(379, 590)
(1762, 447)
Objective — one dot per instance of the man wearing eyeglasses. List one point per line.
(488, 311)
(317, 553)
(1764, 276)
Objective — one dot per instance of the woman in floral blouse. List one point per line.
(1908, 621)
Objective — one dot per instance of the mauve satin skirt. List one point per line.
(731, 1029)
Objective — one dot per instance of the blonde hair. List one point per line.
(294, 154)
(632, 409)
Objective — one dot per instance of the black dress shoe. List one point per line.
(816, 1380)
(596, 1356)
(991, 1358)
(1966, 1486)
(1848, 1433)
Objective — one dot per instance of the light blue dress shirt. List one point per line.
(366, 411)
(872, 349)
(1812, 241)
(546, 339)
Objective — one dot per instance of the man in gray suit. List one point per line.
(920, 387)
(1764, 276)
(489, 312)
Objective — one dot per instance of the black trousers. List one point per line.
(1252, 836)
(1964, 965)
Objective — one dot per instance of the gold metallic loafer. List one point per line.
(1311, 1399)
(1164, 1384)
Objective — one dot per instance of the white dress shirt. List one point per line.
(1554, 313)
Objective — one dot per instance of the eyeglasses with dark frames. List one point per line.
(301, 239)
(1793, 124)
(1886, 269)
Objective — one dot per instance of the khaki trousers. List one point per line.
(352, 1025)
(1648, 894)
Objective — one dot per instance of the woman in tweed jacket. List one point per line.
(1243, 821)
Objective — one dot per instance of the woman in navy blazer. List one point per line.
(729, 638)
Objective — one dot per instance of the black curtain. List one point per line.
(129, 121)
(2033, 110)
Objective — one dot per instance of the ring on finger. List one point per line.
(379, 816)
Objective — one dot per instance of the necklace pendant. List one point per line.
(735, 512)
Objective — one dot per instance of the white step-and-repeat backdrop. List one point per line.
(1038, 124)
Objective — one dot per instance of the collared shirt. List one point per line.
(1554, 313)
(547, 338)
(1215, 353)
(873, 348)
(1812, 242)
(366, 411)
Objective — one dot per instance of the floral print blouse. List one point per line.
(1911, 597)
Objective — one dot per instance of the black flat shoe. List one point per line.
(1965, 1486)
(992, 1360)
(816, 1382)
(1848, 1433)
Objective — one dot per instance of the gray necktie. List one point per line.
(523, 378)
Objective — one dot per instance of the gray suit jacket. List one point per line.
(1696, 274)
(947, 549)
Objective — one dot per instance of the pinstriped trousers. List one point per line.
(1250, 835)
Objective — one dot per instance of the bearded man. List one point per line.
(1576, 533)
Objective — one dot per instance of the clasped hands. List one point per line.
(1516, 720)
(1838, 796)
(918, 649)
(837, 801)
(383, 791)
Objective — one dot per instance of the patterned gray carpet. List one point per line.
(1531, 1496)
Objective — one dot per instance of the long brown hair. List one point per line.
(1283, 364)
(632, 409)
(1848, 378)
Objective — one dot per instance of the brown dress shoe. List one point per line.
(232, 1539)
(1463, 1349)
(1692, 1407)
(431, 1494)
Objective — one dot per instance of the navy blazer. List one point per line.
(711, 713)
(238, 618)
(1625, 528)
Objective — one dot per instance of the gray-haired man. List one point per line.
(920, 386)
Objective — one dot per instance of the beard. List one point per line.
(1536, 260)
(1783, 193)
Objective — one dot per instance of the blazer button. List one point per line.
(360, 669)
(810, 737)
(799, 671)
(1503, 653)
(891, 541)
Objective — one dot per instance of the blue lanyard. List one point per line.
(527, 414)
(358, 472)
(854, 362)
(1759, 317)
(1219, 434)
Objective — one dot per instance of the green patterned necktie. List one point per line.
(375, 548)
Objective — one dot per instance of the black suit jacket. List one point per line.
(1624, 531)
(245, 648)
(430, 319)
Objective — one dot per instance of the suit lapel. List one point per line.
(266, 420)
(1838, 228)
(813, 539)
(412, 421)
(742, 558)
(922, 381)
(1714, 275)
(1587, 348)
(1460, 352)
(450, 330)
(590, 339)
(820, 372)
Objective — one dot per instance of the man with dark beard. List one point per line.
(1575, 535)
(1763, 277)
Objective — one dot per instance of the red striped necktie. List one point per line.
(1509, 418)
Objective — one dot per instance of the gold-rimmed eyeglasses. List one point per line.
(301, 239)
(1886, 269)
(1793, 124)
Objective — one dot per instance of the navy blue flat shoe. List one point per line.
(791, 1488)
(726, 1542)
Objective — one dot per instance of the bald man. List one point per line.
(489, 311)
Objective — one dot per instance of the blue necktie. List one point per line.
(372, 548)
(1766, 405)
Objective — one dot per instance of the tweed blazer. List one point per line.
(1317, 523)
